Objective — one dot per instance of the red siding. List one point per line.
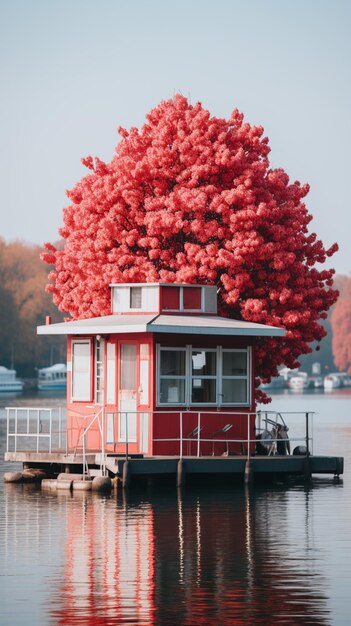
(192, 298)
(170, 298)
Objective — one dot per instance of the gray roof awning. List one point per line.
(179, 324)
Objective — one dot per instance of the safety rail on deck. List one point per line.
(34, 426)
(263, 420)
(37, 423)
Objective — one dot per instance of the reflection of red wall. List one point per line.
(109, 570)
(200, 558)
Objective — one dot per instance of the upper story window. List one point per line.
(171, 297)
(194, 376)
(135, 298)
(182, 298)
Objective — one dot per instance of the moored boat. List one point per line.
(335, 380)
(53, 377)
(8, 380)
(299, 381)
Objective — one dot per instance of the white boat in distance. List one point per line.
(335, 380)
(299, 381)
(8, 380)
(53, 377)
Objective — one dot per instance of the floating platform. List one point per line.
(269, 467)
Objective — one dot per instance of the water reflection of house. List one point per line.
(199, 558)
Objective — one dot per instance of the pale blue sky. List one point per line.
(74, 70)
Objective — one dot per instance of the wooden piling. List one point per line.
(126, 475)
(248, 472)
(180, 473)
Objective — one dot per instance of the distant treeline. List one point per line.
(24, 304)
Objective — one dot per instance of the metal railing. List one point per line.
(46, 424)
(34, 426)
(265, 421)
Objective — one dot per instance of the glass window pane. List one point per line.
(111, 374)
(234, 363)
(135, 297)
(172, 363)
(128, 366)
(172, 391)
(204, 363)
(203, 391)
(234, 391)
(81, 370)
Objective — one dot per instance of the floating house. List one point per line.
(162, 378)
(163, 367)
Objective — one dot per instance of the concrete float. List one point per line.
(13, 477)
(101, 483)
(49, 483)
(82, 485)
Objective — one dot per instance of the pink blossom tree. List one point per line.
(341, 326)
(191, 198)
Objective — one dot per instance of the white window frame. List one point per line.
(246, 377)
(131, 288)
(83, 397)
(99, 371)
(189, 376)
(204, 376)
(170, 377)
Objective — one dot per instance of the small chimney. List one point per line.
(48, 320)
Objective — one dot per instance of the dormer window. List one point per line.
(135, 297)
(192, 299)
(182, 298)
(164, 298)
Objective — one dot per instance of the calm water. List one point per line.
(274, 555)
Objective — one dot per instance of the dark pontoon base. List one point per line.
(257, 466)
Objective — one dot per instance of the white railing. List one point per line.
(35, 428)
(265, 422)
(31, 425)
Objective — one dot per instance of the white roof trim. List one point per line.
(178, 324)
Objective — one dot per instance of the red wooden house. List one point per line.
(162, 375)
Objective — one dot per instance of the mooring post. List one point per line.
(180, 473)
(307, 464)
(248, 472)
(125, 474)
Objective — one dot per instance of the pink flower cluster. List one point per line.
(191, 198)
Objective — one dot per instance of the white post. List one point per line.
(60, 426)
(198, 433)
(248, 436)
(126, 435)
(50, 438)
(181, 434)
(103, 441)
(16, 418)
(84, 465)
(8, 429)
(38, 426)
